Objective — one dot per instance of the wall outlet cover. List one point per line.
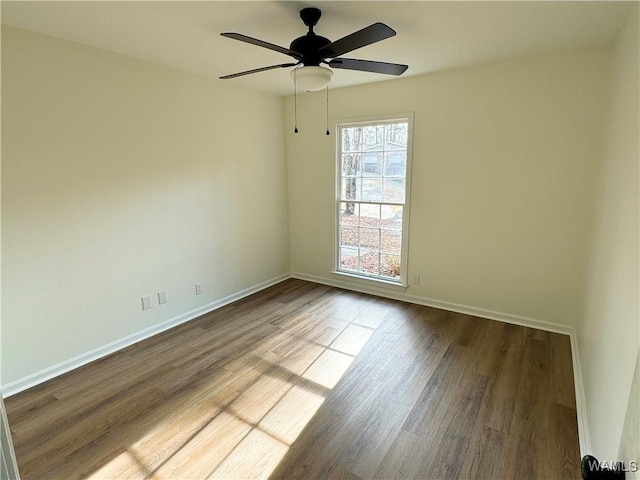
(146, 302)
(162, 297)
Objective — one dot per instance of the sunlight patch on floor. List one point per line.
(241, 422)
(259, 398)
(212, 444)
(291, 414)
(257, 455)
(328, 368)
(295, 355)
(352, 339)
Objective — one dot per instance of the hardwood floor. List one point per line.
(307, 381)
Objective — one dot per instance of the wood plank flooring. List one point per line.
(307, 381)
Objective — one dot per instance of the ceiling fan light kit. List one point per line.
(312, 50)
(311, 78)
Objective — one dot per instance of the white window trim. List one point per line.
(406, 211)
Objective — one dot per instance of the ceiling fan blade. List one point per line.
(368, 66)
(261, 43)
(368, 35)
(256, 70)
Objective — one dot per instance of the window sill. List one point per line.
(362, 280)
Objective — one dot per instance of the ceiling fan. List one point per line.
(311, 50)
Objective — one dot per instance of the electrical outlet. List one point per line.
(162, 297)
(146, 302)
(416, 279)
(198, 288)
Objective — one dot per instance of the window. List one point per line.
(373, 160)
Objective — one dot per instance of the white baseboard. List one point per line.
(581, 405)
(381, 291)
(581, 409)
(63, 367)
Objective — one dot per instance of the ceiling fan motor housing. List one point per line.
(308, 46)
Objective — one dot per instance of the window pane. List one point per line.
(370, 137)
(370, 263)
(370, 238)
(391, 217)
(372, 164)
(394, 190)
(349, 213)
(351, 164)
(369, 215)
(391, 241)
(372, 189)
(349, 236)
(390, 266)
(352, 139)
(349, 258)
(396, 136)
(395, 164)
(351, 188)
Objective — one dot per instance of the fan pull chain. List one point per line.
(295, 100)
(327, 132)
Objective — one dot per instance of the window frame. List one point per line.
(338, 125)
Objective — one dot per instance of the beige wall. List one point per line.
(609, 333)
(504, 164)
(120, 179)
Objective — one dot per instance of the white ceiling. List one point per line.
(431, 36)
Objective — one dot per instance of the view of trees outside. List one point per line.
(373, 178)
